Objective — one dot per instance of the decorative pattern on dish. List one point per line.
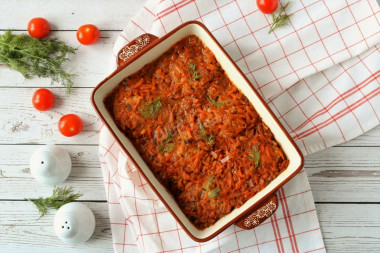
(263, 212)
(129, 51)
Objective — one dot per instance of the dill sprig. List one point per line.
(254, 155)
(194, 73)
(217, 103)
(209, 139)
(281, 19)
(207, 186)
(165, 145)
(150, 109)
(36, 57)
(214, 192)
(60, 197)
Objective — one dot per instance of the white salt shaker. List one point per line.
(74, 223)
(50, 165)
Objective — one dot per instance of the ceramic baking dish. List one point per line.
(144, 50)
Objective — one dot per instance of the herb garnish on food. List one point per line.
(254, 155)
(214, 192)
(194, 73)
(60, 197)
(209, 139)
(150, 109)
(207, 186)
(166, 145)
(217, 103)
(36, 57)
(281, 19)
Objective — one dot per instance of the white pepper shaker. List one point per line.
(50, 165)
(74, 223)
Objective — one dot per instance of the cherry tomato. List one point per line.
(267, 6)
(88, 34)
(38, 27)
(43, 99)
(70, 125)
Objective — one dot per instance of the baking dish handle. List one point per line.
(129, 51)
(260, 214)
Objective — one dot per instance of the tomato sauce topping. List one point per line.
(201, 137)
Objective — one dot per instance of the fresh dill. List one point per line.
(209, 139)
(214, 192)
(150, 109)
(36, 57)
(217, 103)
(194, 73)
(207, 186)
(166, 145)
(60, 197)
(281, 19)
(254, 155)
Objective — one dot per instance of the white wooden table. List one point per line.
(345, 179)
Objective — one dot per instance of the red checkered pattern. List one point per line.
(319, 74)
(332, 106)
(141, 223)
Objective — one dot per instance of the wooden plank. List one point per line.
(91, 64)
(345, 174)
(85, 176)
(69, 14)
(370, 138)
(345, 228)
(20, 123)
(21, 229)
(350, 227)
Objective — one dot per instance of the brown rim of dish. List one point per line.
(255, 205)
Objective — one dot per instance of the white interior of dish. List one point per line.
(240, 82)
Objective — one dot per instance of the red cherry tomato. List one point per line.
(38, 27)
(267, 6)
(43, 99)
(70, 125)
(88, 34)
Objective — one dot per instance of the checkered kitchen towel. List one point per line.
(319, 74)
